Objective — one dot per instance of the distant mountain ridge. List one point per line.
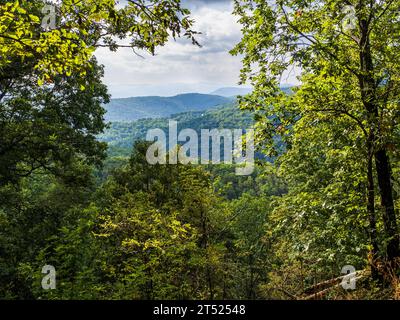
(135, 108)
(231, 91)
(240, 91)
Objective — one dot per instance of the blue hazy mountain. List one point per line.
(231, 91)
(239, 91)
(135, 108)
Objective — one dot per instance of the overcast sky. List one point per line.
(180, 67)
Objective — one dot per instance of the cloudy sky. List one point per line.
(180, 67)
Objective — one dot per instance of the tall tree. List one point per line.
(48, 127)
(348, 52)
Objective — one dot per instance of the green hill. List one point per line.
(121, 135)
(130, 109)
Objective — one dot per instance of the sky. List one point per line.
(180, 67)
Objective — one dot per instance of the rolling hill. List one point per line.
(131, 109)
(131, 118)
(121, 135)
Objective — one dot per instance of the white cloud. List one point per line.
(179, 66)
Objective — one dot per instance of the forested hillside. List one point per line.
(129, 109)
(122, 135)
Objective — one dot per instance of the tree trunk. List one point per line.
(371, 205)
(382, 162)
(385, 186)
(371, 208)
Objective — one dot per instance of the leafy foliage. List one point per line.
(82, 26)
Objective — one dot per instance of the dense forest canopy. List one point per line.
(78, 194)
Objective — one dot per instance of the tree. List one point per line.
(49, 127)
(347, 71)
(51, 93)
(251, 248)
(34, 215)
(83, 26)
(154, 232)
